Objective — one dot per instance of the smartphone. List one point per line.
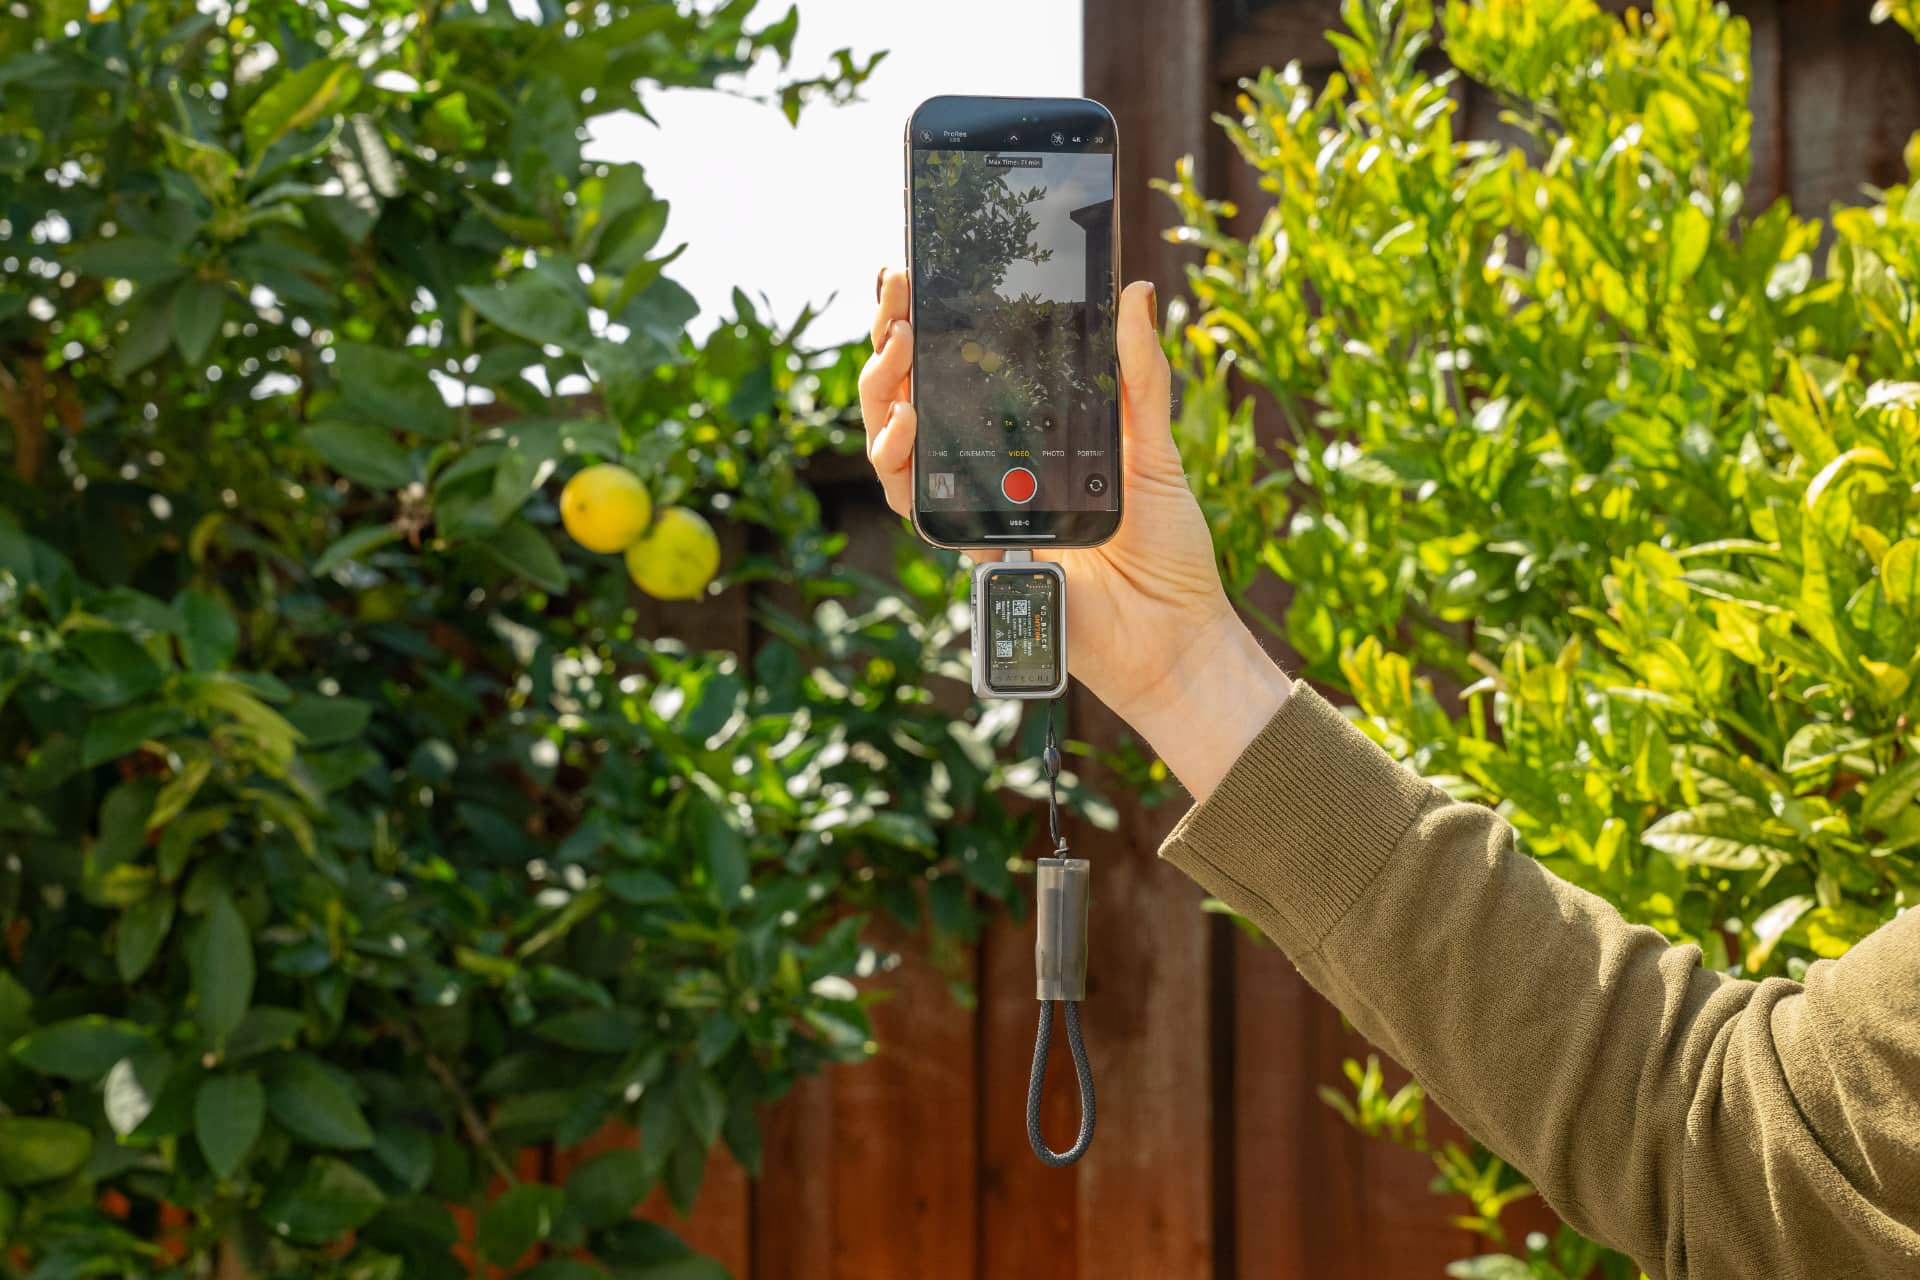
(1020, 633)
(1013, 250)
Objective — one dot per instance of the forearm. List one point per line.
(1647, 1096)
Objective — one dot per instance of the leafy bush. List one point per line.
(353, 832)
(1598, 486)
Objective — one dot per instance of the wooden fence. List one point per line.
(1214, 1157)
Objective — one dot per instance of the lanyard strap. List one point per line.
(1060, 962)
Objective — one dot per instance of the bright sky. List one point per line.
(798, 214)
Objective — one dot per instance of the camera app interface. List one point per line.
(1013, 299)
(1023, 629)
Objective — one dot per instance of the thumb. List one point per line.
(1146, 387)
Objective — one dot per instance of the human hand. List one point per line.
(1152, 632)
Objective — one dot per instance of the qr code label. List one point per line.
(1003, 649)
(1020, 608)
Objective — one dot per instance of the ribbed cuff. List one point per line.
(1301, 824)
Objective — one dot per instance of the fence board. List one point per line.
(1851, 93)
(1029, 1214)
(904, 1153)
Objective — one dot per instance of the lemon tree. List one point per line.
(351, 837)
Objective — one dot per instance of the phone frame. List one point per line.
(982, 616)
(998, 111)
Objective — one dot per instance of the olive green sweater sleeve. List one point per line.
(1707, 1126)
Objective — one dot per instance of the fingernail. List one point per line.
(1153, 304)
(879, 284)
(893, 411)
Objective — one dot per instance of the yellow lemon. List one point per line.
(677, 558)
(989, 361)
(605, 508)
(971, 351)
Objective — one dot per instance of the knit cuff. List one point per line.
(1302, 823)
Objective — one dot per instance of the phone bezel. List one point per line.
(1046, 527)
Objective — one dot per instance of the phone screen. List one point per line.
(1014, 373)
(1023, 630)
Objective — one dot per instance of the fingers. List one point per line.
(890, 450)
(1146, 387)
(883, 379)
(894, 298)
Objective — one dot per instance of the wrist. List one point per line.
(1216, 698)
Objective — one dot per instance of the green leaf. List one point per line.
(80, 1048)
(36, 1149)
(522, 549)
(141, 259)
(703, 1103)
(407, 1153)
(353, 546)
(594, 1030)
(1672, 124)
(304, 1097)
(361, 453)
(143, 927)
(123, 824)
(722, 848)
(392, 388)
(264, 1028)
(1732, 837)
(196, 312)
(228, 1114)
(121, 732)
(328, 721)
(742, 1133)
(517, 1221)
(535, 307)
(330, 1198)
(209, 635)
(1687, 241)
(640, 888)
(111, 669)
(222, 970)
(1818, 611)
(607, 1188)
(1877, 290)
(1900, 573)
(1830, 932)
(296, 100)
(1803, 431)
(149, 332)
(1819, 743)
(1772, 925)
(1891, 794)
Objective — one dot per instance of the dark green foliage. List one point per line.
(354, 832)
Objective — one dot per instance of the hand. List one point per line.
(1151, 633)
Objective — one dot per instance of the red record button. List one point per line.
(1019, 485)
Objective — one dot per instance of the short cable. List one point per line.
(1060, 964)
